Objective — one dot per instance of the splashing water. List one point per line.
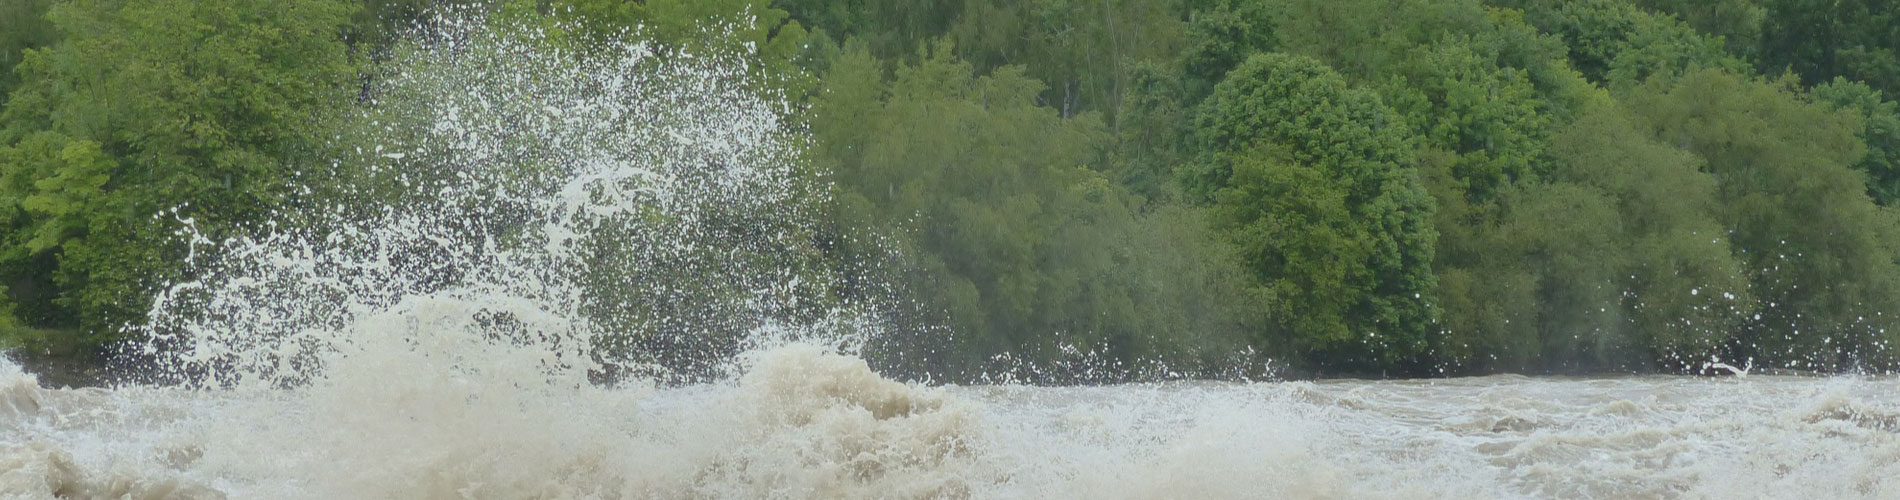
(523, 208)
(526, 222)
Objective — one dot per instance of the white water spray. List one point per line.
(514, 206)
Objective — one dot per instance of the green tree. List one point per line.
(144, 106)
(1737, 22)
(890, 29)
(988, 198)
(23, 26)
(1822, 39)
(1083, 50)
(1155, 119)
(1819, 253)
(1618, 45)
(749, 27)
(1313, 180)
(1675, 290)
(1488, 115)
(1593, 31)
(1387, 58)
(1661, 46)
(1485, 128)
(1219, 38)
(1880, 132)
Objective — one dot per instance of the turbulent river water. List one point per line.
(803, 423)
(557, 272)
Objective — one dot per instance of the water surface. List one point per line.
(804, 423)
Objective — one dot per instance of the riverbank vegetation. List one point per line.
(1342, 186)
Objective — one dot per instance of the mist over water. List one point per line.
(585, 273)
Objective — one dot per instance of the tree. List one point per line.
(1313, 181)
(1667, 289)
(698, 26)
(1155, 118)
(1822, 39)
(23, 26)
(1155, 121)
(1818, 252)
(1485, 127)
(1594, 31)
(1028, 252)
(1616, 44)
(889, 29)
(1489, 116)
(1737, 22)
(1221, 37)
(144, 107)
(1662, 47)
(1083, 50)
(1880, 132)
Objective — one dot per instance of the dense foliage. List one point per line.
(1344, 186)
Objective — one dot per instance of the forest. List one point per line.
(1344, 187)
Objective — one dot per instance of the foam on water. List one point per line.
(803, 422)
(546, 239)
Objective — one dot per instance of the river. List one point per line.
(804, 423)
